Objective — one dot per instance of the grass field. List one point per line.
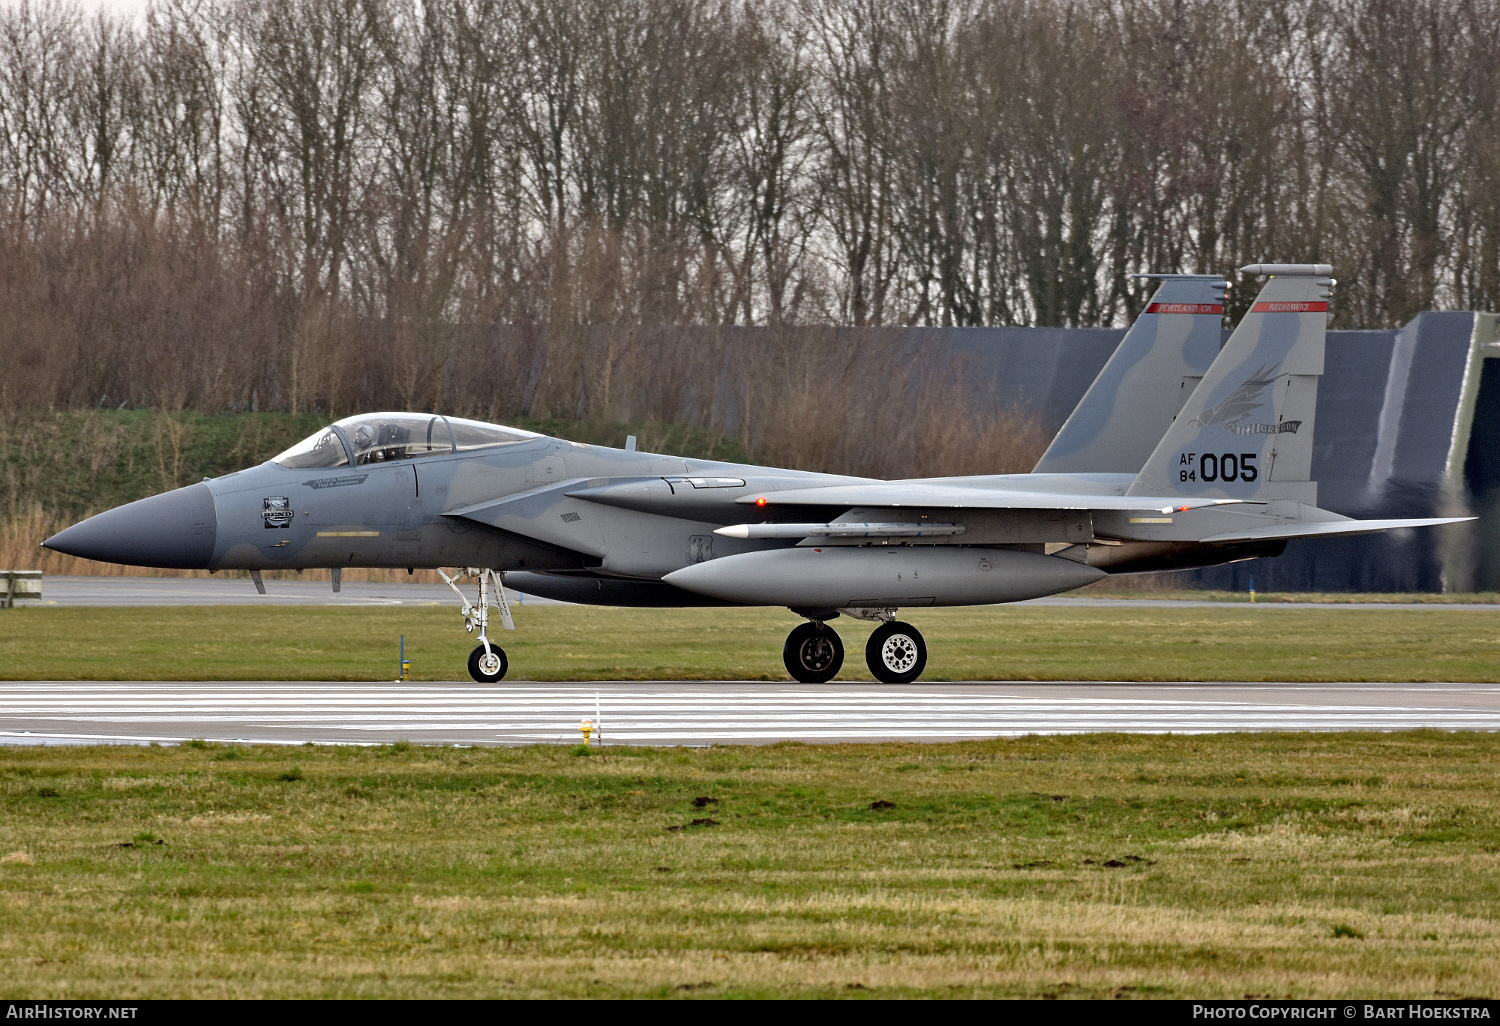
(1086, 866)
(1236, 642)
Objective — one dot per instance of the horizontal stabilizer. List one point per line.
(1336, 528)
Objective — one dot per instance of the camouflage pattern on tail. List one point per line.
(1247, 430)
(1157, 365)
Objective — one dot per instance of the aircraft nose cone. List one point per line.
(174, 530)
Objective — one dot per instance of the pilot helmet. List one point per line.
(363, 437)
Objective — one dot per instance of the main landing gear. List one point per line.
(487, 663)
(895, 653)
(813, 653)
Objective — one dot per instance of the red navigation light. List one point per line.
(760, 501)
(1183, 509)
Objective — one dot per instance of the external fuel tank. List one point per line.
(853, 577)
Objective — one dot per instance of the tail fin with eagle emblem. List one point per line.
(1246, 432)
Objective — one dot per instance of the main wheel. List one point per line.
(488, 667)
(813, 653)
(896, 653)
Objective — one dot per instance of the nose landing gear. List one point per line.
(487, 663)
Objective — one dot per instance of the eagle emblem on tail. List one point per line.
(1242, 402)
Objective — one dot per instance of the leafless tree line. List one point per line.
(499, 206)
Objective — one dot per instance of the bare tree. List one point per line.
(853, 40)
(1062, 156)
(773, 152)
(1476, 204)
(38, 49)
(554, 208)
(180, 127)
(1404, 68)
(318, 64)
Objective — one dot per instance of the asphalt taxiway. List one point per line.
(733, 712)
(673, 713)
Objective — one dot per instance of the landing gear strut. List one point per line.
(813, 653)
(487, 663)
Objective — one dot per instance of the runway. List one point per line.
(667, 713)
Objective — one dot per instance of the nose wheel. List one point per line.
(487, 663)
(813, 653)
(896, 653)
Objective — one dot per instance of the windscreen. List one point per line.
(323, 449)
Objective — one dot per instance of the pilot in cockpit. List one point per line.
(377, 443)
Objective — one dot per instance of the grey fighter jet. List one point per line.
(1156, 469)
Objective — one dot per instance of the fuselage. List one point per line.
(611, 526)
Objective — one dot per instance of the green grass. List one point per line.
(1236, 642)
(1092, 866)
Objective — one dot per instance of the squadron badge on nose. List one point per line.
(277, 512)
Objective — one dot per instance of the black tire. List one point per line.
(477, 671)
(896, 653)
(813, 653)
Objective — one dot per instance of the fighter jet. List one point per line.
(1179, 455)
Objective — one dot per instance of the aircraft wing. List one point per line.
(1331, 529)
(908, 494)
(1210, 527)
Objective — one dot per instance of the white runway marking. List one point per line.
(664, 713)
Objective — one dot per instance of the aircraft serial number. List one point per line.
(1226, 466)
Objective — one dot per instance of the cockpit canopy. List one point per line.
(382, 437)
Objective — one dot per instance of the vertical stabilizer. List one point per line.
(1151, 374)
(1247, 430)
